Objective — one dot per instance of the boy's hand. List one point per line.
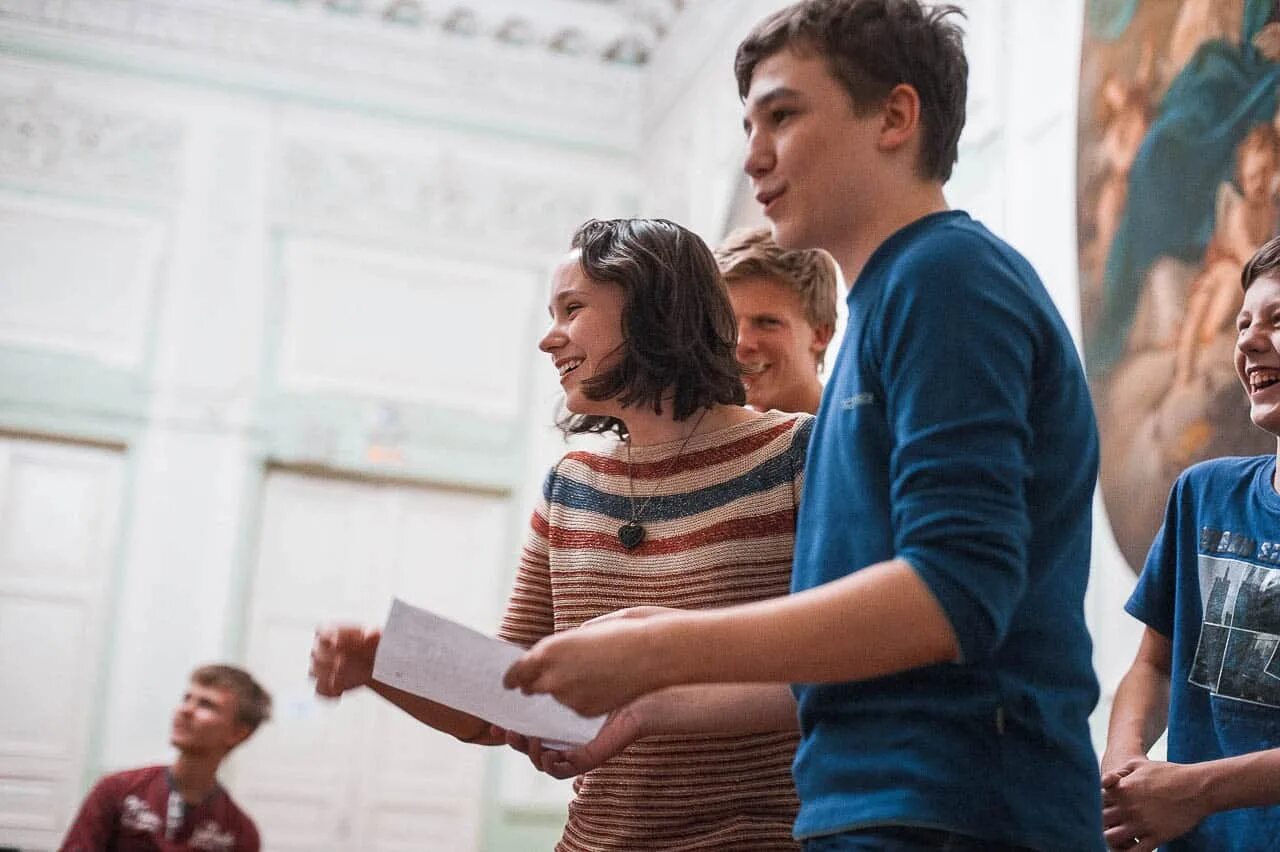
(342, 658)
(620, 730)
(1146, 803)
(1114, 759)
(593, 669)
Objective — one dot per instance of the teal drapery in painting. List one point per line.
(1223, 91)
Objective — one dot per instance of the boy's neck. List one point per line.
(802, 398)
(917, 200)
(195, 776)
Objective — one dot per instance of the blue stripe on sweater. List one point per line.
(561, 489)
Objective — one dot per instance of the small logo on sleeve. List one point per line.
(858, 400)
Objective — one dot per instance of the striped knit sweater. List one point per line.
(720, 527)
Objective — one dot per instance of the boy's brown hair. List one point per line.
(253, 704)
(872, 46)
(1265, 261)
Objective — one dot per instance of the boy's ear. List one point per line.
(822, 337)
(241, 733)
(900, 117)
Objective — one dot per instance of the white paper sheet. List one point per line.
(439, 659)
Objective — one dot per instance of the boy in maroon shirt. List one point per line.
(180, 807)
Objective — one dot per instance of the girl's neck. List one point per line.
(647, 428)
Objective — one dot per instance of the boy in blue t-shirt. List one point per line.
(1209, 663)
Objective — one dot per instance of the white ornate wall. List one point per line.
(245, 242)
(249, 238)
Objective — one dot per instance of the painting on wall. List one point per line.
(1178, 184)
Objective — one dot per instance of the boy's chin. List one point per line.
(1266, 418)
(793, 233)
(790, 236)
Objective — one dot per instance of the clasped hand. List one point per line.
(596, 668)
(1146, 803)
(585, 669)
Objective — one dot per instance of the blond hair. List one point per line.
(811, 273)
(253, 704)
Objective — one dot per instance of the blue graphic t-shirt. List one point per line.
(1212, 585)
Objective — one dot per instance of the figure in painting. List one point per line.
(1245, 219)
(1165, 231)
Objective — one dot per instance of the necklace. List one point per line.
(632, 533)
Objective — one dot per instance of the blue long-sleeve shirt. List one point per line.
(957, 433)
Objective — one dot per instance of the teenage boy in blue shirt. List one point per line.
(1208, 667)
(936, 634)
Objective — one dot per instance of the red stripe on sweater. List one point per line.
(664, 468)
(735, 529)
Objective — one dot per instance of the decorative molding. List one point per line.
(439, 196)
(306, 50)
(47, 137)
(610, 31)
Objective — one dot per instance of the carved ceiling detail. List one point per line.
(613, 31)
(48, 137)
(326, 188)
(478, 63)
(616, 32)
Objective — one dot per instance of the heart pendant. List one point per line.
(631, 534)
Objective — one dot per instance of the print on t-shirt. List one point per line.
(1238, 655)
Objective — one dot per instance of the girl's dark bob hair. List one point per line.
(678, 328)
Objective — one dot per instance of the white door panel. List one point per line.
(58, 507)
(357, 773)
(449, 555)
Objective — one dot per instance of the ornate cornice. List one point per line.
(621, 32)
(449, 195)
(475, 66)
(611, 31)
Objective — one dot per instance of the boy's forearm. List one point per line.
(1140, 710)
(1246, 781)
(849, 629)
(732, 708)
(455, 723)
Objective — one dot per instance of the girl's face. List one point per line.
(585, 338)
